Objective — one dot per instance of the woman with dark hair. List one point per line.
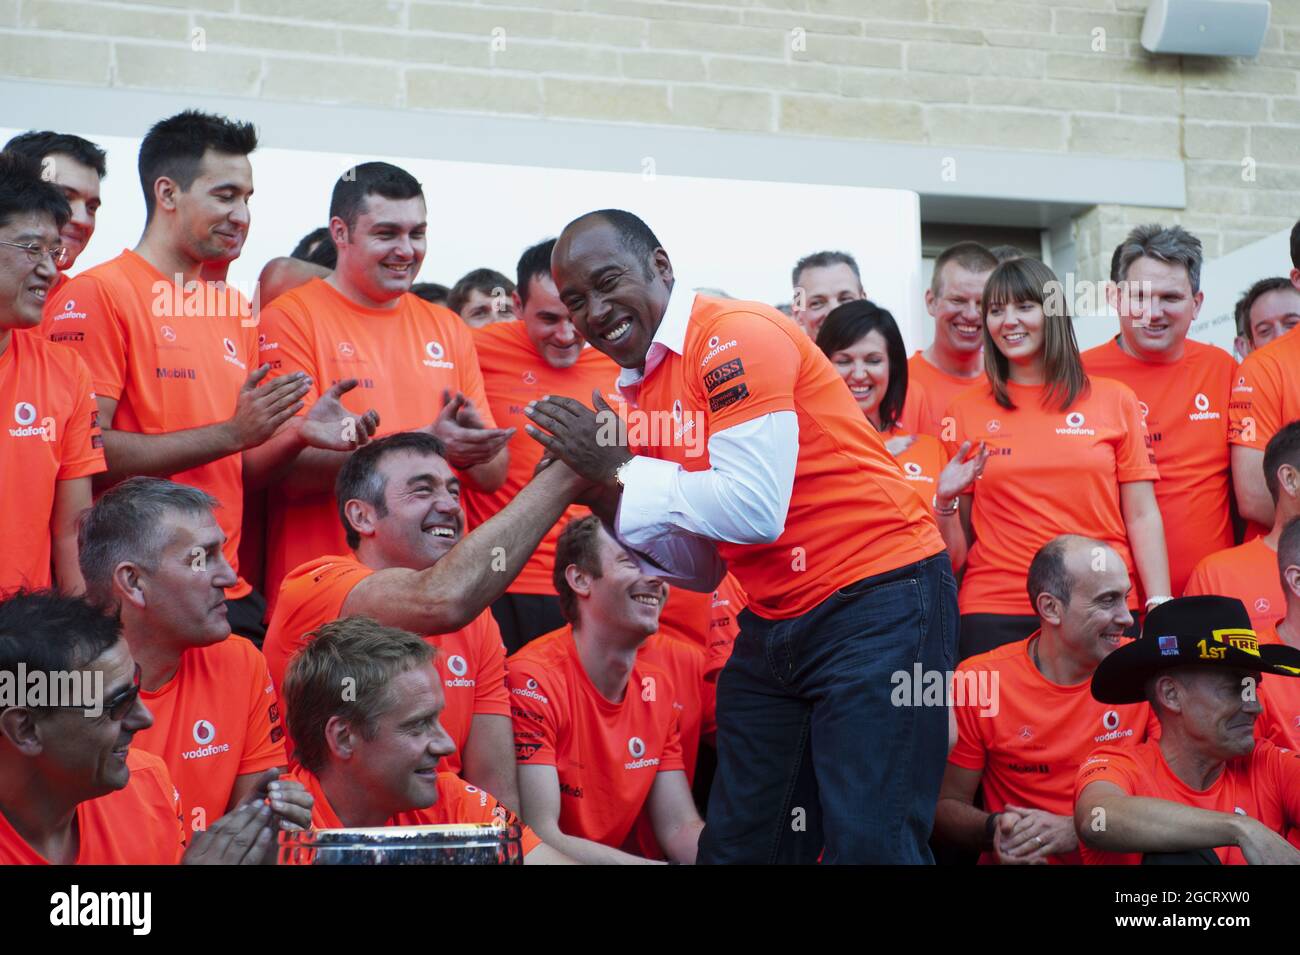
(1069, 455)
(864, 344)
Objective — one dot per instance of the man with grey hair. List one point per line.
(823, 281)
(1182, 386)
(1038, 712)
(151, 551)
(1208, 790)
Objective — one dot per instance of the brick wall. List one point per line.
(1066, 77)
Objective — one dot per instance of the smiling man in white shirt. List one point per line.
(843, 563)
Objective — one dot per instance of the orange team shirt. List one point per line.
(711, 621)
(696, 698)
(1279, 700)
(922, 461)
(1049, 472)
(215, 720)
(607, 755)
(458, 803)
(1185, 406)
(513, 375)
(1249, 573)
(51, 434)
(171, 362)
(1264, 785)
(1265, 396)
(54, 305)
(938, 390)
(140, 824)
(1028, 735)
(403, 358)
(851, 515)
(472, 661)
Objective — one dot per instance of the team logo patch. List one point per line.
(729, 397)
(204, 732)
(723, 373)
(1242, 639)
(1168, 646)
(636, 746)
(24, 412)
(1202, 402)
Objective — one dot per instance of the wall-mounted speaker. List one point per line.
(1206, 27)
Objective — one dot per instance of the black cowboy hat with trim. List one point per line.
(1189, 631)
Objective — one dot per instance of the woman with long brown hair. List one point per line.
(1066, 455)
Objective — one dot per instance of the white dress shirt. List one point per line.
(673, 516)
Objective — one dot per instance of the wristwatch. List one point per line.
(944, 511)
(618, 473)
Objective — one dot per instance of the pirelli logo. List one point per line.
(728, 397)
(1243, 640)
(723, 373)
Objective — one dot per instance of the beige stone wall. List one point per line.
(1012, 75)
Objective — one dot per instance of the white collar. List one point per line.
(669, 336)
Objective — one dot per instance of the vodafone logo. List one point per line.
(1262, 605)
(912, 468)
(531, 684)
(1074, 425)
(1146, 410)
(70, 304)
(677, 411)
(1074, 419)
(1110, 719)
(636, 746)
(204, 732)
(457, 665)
(993, 426)
(1202, 412)
(713, 342)
(168, 333)
(231, 350)
(24, 412)
(436, 354)
(347, 349)
(1202, 402)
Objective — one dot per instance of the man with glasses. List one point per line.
(73, 790)
(151, 551)
(48, 432)
(75, 167)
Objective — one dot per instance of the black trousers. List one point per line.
(523, 617)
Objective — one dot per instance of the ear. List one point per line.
(1112, 295)
(18, 725)
(1049, 608)
(361, 516)
(1170, 693)
(339, 737)
(662, 266)
(1288, 480)
(339, 231)
(930, 301)
(1197, 299)
(1291, 574)
(518, 303)
(165, 191)
(578, 579)
(129, 584)
(1241, 346)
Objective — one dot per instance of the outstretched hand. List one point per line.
(589, 441)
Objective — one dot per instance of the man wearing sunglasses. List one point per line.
(48, 432)
(72, 789)
(151, 551)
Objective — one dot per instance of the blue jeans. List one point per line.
(813, 753)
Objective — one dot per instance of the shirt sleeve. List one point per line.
(1134, 459)
(672, 758)
(1107, 766)
(471, 375)
(534, 713)
(1255, 403)
(1286, 764)
(103, 346)
(264, 739)
(490, 694)
(286, 343)
(742, 498)
(82, 447)
(970, 751)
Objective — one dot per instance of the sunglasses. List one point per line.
(116, 706)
